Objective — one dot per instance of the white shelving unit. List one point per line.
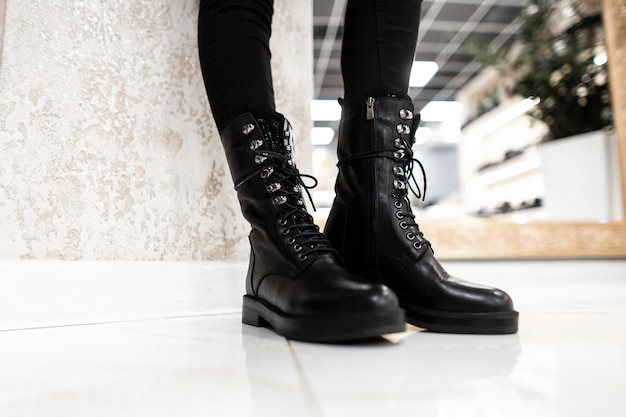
(499, 162)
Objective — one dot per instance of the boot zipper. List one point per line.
(370, 108)
(370, 185)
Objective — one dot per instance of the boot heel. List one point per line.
(251, 318)
(249, 315)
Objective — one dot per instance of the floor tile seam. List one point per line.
(620, 310)
(109, 322)
(313, 408)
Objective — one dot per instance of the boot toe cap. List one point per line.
(479, 298)
(355, 298)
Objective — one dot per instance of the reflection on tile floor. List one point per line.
(569, 359)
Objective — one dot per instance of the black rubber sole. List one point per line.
(500, 322)
(326, 329)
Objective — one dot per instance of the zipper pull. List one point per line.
(370, 108)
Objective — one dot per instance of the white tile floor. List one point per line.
(164, 339)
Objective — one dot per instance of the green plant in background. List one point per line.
(565, 68)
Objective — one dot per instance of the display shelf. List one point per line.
(489, 175)
(510, 170)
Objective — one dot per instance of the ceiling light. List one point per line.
(322, 135)
(422, 72)
(601, 59)
(325, 110)
(439, 111)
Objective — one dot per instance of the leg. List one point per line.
(378, 47)
(233, 40)
(372, 205)
(295, 282)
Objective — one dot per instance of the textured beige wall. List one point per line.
(107, 146)
(2, 4)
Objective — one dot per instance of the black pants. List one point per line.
(233, 35)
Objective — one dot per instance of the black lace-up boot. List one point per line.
(374, 229)
(295, 282)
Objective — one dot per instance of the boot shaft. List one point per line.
(284, 240)
(259, 150)
(248, 140)
(372, 130)
(380, 124)
(372, 206)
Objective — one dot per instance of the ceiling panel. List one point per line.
(445, 27)
(456, 12)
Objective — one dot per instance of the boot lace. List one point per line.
(285, 184)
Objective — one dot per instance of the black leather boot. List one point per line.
(374, 229)
(295, 283)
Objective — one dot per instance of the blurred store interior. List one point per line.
(487, 137)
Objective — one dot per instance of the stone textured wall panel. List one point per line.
(107, 146)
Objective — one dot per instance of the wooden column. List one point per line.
(614, 12)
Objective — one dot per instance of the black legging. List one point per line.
(233, 35)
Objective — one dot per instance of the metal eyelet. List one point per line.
(399, 215)
(399, 171)
(272, 188)
(247, 128)
(297, 248)
(398, 143)
(397, 204)
(403, 129)
(404, 225)
(291, 240)
(281, 199)
(259, 159)
(282, 222)
(255, 144)
(267, 172)
(399, 185)
(300, 202)
(410, 236)
(296, 189)
(417, 245)
(406, 114)
(284, 231)
(303, 257)
(399, 154)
